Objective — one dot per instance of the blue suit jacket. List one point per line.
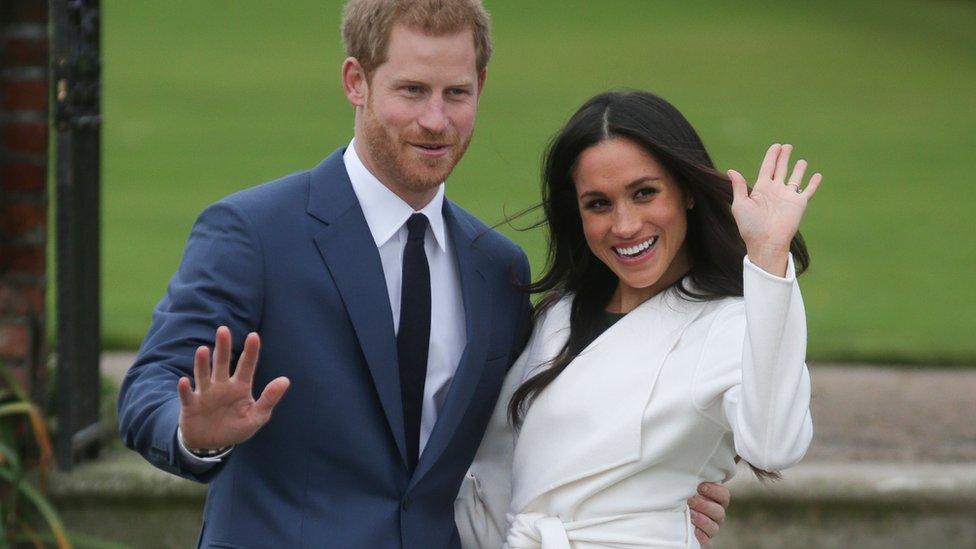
(294, 260)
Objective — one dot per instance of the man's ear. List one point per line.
(354, 82)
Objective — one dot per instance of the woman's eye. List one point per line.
(596, 204)
(645, 192)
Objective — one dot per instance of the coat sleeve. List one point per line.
(753, 378)
(219, 282)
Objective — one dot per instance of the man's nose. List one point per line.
(433, 118)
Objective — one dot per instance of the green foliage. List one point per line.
(21, 502)
(205, 98)
(23, 463)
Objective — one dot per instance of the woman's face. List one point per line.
(634, 219)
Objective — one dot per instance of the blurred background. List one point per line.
(200, 99)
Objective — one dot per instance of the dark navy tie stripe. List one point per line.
(413, 337)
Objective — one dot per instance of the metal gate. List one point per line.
(76, 65)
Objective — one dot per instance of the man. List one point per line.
(387, 313)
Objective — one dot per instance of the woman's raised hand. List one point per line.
(769, 214)
(221, 411)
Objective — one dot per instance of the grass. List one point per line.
(204, 98)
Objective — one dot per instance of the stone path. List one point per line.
(863, 413)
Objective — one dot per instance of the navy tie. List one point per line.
(413, 336)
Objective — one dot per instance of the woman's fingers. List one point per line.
(201, 368)
(813, 185)
(768, 166)
(221, 355)
(248, 361)
(740, 189)
(782, 164)
(796, 178)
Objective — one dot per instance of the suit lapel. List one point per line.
(351, 257)
(472, 263)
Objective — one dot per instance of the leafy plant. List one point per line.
(21, 503)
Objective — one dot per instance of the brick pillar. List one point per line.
(24, 45)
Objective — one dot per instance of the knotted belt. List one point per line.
(632, 531)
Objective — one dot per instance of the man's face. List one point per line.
(419, 112)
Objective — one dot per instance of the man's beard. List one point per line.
(393, 156)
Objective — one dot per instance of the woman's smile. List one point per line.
(634, 218)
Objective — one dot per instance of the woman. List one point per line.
(647, 371)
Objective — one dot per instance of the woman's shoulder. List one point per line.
(554, 309)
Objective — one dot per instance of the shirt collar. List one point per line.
(386, 212)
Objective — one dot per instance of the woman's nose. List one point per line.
(626, 222)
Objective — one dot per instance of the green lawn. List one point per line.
(204, 98)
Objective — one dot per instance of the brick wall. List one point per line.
(24, 46)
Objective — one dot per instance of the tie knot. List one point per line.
(417, 226)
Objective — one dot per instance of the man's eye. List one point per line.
(458, 92)
(412, 89)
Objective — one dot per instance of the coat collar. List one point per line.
(597, 402)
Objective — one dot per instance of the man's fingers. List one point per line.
(782, 164)
(705, 524)
(270, 396)
(702, 538)
(185, 391)
(221, 354)
(201, 368)
(711, 510)
(249, 359)
(718, 493)
(768, 165)
(740, 189)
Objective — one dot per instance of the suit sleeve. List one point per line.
(753, 377)
(523, 322)
(219, 282)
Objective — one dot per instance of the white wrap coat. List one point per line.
(663, 400)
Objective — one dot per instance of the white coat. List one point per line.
(663, 400)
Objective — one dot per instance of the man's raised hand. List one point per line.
(221, 411)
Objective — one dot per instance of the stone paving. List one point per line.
(863, 413)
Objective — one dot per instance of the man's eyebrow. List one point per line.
(407, 80)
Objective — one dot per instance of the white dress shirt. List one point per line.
(386, 216)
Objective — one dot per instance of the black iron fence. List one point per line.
(76, 65)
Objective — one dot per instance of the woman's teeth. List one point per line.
(633, 251)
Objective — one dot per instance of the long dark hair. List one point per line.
(712, 240)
